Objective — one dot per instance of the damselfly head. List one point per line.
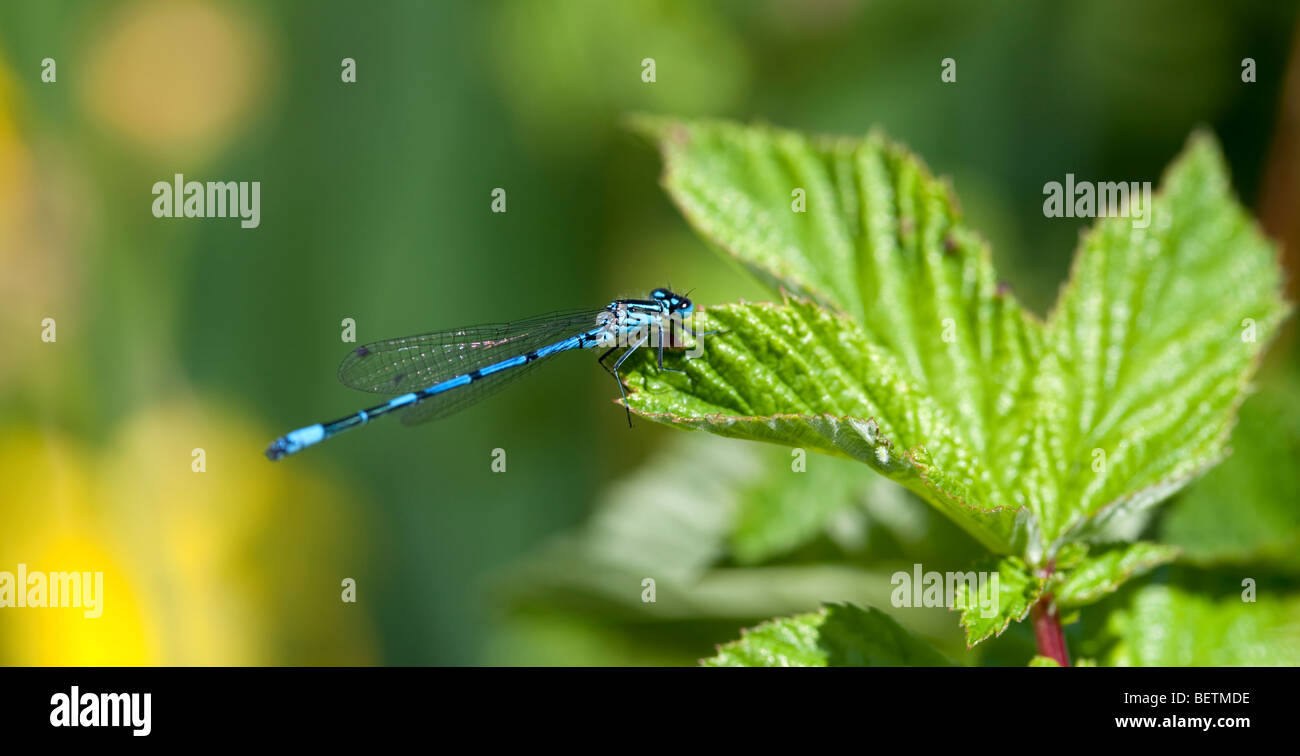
(675, 303)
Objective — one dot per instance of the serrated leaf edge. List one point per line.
(1139, 568)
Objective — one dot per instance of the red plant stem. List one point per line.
(1048, 632)
(1047, 625)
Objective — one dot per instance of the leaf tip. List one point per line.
(659, 130)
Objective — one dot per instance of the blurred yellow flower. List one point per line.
(46, 209)
(239, 564)
(176, 77)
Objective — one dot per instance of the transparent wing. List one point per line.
(397, 366)
(449, 402)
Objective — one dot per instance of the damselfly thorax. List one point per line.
(628, 323)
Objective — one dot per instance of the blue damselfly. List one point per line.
(436, 374)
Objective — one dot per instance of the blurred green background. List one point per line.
(179, 334)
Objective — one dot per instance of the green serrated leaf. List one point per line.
(840, 635)
(1105, 570)
(800, 375)
(881, 242)
(1070, 555)
(1169, 626)
(917, 363)
(1017, 589)
(1148, 353)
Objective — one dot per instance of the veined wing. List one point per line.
(449, 402)
(397, 366)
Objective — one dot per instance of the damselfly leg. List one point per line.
(618, 364)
